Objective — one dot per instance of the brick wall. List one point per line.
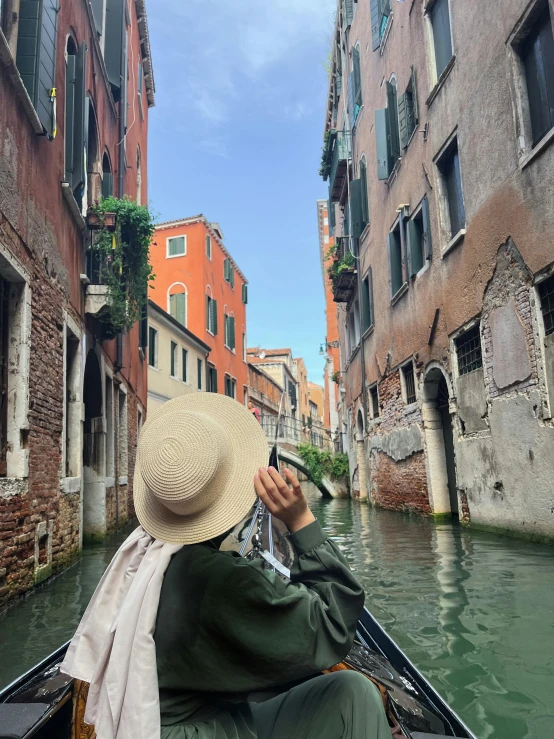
(400, 486)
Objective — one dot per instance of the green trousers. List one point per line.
(341, 705)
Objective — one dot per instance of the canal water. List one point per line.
(473, 611)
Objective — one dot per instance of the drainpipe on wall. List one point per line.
(122, 112)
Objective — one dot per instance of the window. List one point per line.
(230, 387)
(184, 365)
(546, 292)
(212, 379)
(439, 16)
(72, 394)
(368, 319)
(374, 401)
(354, 325)
(76, 119)
(98, 14)
(380, 13)
(199, 370)
(176, 246)
(537, 53)
(355, 87)
(408, 112)
(387, 133)
(245, 294)
(208, 246)
(107, 177)
(178, 306)
(229, 331)
(396, 257)
(211, 315)
(468, 350)
(450, 188)
(173, 360)
(243, 347)
(140, 85)
(408, 383)
(139, 422)
(419, 238)
(229, 272)
(152, 347)
(364, 191)
(122, 451)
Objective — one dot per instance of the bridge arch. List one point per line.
(327, 488)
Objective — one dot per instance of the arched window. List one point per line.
(177, 302)
(107, 176)
(139, 177)
(75, 122)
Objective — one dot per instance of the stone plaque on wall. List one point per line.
(510, 360)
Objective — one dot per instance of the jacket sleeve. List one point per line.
(271, 632)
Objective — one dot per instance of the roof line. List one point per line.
(144, 37)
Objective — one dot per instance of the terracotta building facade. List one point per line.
(201, 286)
(439, 160)
(71, 80)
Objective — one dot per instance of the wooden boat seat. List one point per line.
(20, 717)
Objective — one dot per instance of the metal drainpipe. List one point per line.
(362, 356)
(122, 105)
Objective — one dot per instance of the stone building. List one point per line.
(315, 394)
(201, 286)
(264, 392)
(301, 376)
(177, 359)
(278, 364)
(439, 159)
(72, 78)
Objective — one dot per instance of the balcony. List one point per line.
(336, 156)
(98, 269)
(343, 272)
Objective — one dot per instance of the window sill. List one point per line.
(368, 331)
(538, 149)
(175, 256)
(442, 79)
(410, 407)
(386, 34)
(398, 294)
(154, 369)
(73, 205)
(7, 61)
(394, 174)
(454, 241)
(365, 232)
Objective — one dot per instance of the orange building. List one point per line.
(315, 395)
(301, 374)
(332, 364)
(201, 286)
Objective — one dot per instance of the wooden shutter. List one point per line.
(80, 123)
(231, 275)
(233, 339)
(356, 71)
(184, 364)
(371, 304)
(356, 213)
(366, 313)
(226, 270)
(69, 128)
(214, 380)
(415, 106)
(412, 246)
(405, 130)
(392, 114)
(245, 294)
(427, 242)
(351, 100)
(213, 307)
(113, 45)
(375, 24)
(36, 56)
(208, 313)
(383, 145)
(347, 13)
(364, 193)
(98, 14)
(405, 267)
(177, 307)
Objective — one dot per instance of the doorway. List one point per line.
(94, 484)
(439, 437)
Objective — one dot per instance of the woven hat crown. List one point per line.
(185, 460)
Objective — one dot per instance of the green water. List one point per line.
(473, 611)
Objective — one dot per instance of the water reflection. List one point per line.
(473, 611)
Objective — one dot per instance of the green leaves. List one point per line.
(320, 464)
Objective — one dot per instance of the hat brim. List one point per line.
(249, 452)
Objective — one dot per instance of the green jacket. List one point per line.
(227, 627)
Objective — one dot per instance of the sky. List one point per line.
(236, 134)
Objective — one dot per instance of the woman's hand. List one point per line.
(288, 504)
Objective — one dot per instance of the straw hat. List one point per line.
(196, 460)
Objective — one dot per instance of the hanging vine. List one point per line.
(125, 256)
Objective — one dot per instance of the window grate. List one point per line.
(409, 382)
(468, 348)
(546, 291)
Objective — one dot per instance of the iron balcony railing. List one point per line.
(290, 430)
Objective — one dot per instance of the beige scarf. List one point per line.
(113, 649)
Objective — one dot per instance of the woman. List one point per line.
(214, 626)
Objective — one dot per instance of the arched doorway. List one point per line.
(439, 437)
(94, 487)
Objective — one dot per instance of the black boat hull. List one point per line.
(43, 704)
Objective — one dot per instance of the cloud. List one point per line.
(223, 55)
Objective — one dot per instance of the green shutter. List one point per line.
(364, 193)
(214, 316)
(413, 238)
(69, 127)
(347, 13)
(231, 275)
(415, 106)
(405, 131)
(404, 266)
(392, 114)
(184, 363)
(245, 294)
(79, 174)
(366, 312)
(427, 242)
(177, 307)
(208, 313)
(375, 24)
(214, 380)
(356, 211)
(98, 13)
(233, 341)
(113, 44)
(107, 184)
(371, 303)
(351, 105)
(226, 270)
(383, 144)
(356, 70)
